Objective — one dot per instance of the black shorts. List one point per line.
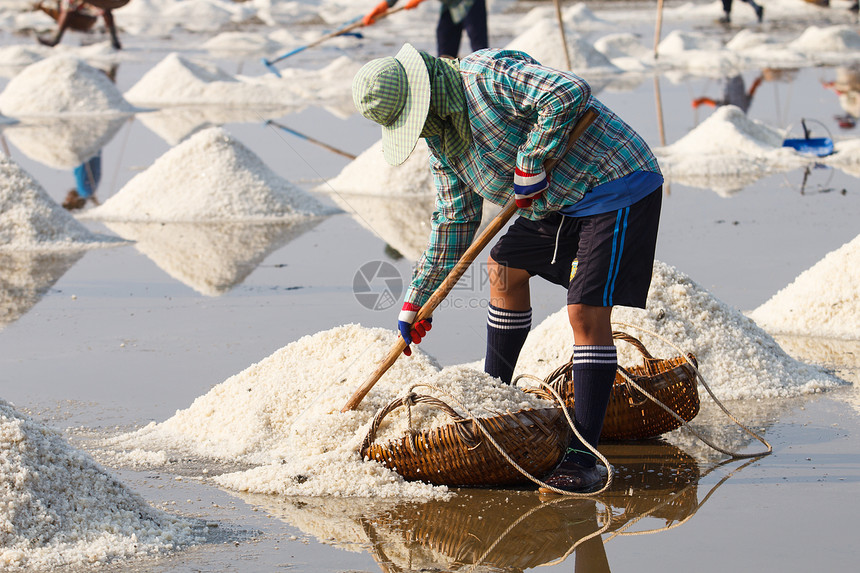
(602, 260)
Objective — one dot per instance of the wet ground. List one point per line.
(115, 339)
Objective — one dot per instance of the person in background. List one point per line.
(726, 18)
(80, 15)
(734, 93)
(455, 17)
(87, 177)
(491, 122)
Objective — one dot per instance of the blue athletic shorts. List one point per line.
(602, 260)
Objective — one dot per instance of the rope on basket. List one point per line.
(507, 457)
(684, 423)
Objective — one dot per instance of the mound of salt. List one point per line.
(240, 44)
(823, 300)
(31, 221)
(370, 174)
(728, 131)
(60, 508)
(678, 42)
(847, 156)
(284, 412)
(738, 359)
(180, 81)
(20, 55)
(62, 85)
(177, 80)
(543, 42)
(209, 177)
(728, 144)
(831, 39)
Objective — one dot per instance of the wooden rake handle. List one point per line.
(465, 261)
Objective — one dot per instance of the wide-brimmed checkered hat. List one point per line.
(395, 93)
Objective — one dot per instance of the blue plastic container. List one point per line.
(817, 146)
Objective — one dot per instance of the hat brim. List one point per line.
(399, 138)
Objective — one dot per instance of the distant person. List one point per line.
(727, 11)
(80, 15)
(734, 93)
(87, 177)
(455, 17)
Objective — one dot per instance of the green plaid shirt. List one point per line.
(521, 114)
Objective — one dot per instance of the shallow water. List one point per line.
(120, 337)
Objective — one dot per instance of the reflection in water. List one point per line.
(656, 488)
(403, 222)
(211, 258)
(64, 143)
(26, 277)
(176, 124)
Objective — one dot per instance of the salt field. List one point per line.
(174, 355)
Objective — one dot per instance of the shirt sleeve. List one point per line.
(550, 99)
(452, 228)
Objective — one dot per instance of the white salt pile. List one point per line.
(62, 85)
(31, 220)
(284, 412)
(209, 177)
(18, 56)
(240, 44)
(831, 39)
(61, 509)
(625, 51)
(211, 258)
(181, 81)
(847, 156)
(542, 41)
(822, 301)
(369, 173)
(727, 146)
(738, 359)
(395, 203)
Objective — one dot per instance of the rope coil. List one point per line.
(472, 430)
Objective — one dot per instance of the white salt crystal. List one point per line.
(823, 301)
(31, 220)
(60, 508)
(284, 413)
(209, 177)
(737, 359)
(62, 85)
(542, 41)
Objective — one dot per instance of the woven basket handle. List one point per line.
(409, 400)
(618, 335)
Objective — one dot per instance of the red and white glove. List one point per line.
(377, 11)
(528, 187)
(412, 332)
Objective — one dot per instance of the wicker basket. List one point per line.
(458, 454)
(631, 415)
